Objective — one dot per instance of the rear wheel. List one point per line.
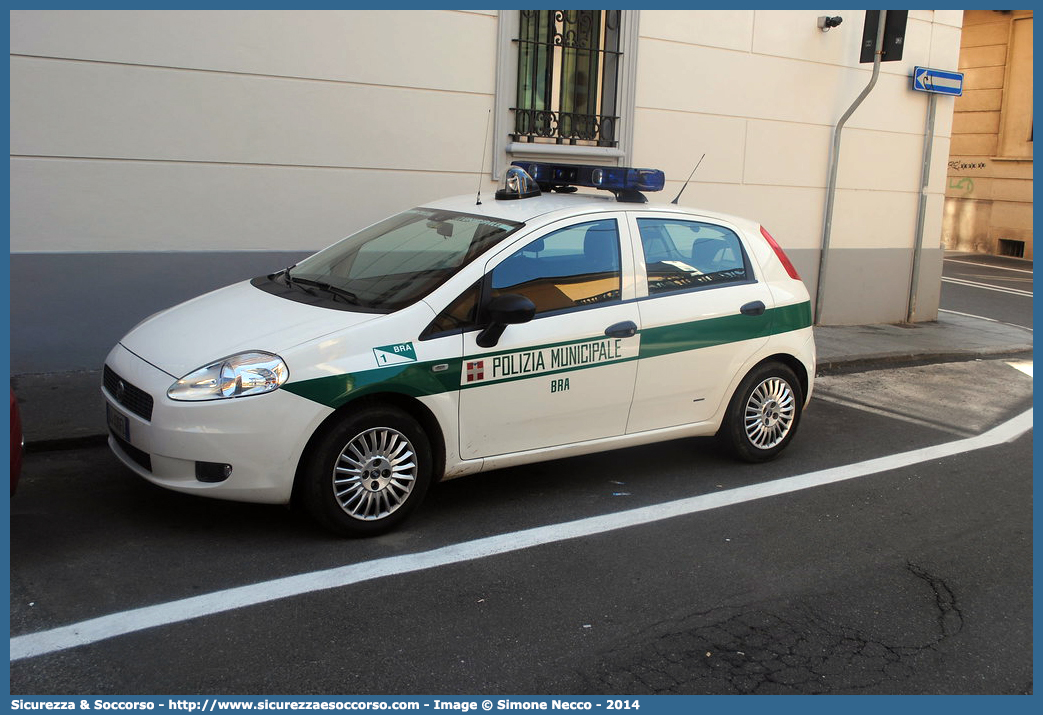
(763, 414)
(368, 473)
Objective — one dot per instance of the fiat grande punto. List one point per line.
(468, 335)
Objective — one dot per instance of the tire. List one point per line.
(368, 473)
(763, 414)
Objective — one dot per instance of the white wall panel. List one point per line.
(119, 111)
(781, 153)
(796, 35)
(88, 205)
(725, 29)
(674, 141)
(939, 166)
(945, 48)
(952, 18)
(874, 219)
(439, 50)
(710, 81)
(932, 233)
(880, 161)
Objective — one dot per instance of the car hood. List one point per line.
(231, 320)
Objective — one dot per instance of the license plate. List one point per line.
(118, 422)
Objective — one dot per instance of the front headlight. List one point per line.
(252, 373)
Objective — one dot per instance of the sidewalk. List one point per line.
(953, 337)
(66, 408)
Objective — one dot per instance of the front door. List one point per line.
(568, 375)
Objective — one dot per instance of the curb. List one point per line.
(883, 361)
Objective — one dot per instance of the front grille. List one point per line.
(140, 457)
(133, 398)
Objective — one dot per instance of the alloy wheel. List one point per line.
(769, 413)
(375, 474)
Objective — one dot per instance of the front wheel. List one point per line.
(763, 414)
(367, 473)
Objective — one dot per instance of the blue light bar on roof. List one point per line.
(624, 181)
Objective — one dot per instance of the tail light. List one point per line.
(781, 254)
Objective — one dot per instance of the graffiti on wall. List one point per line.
(963, 184)
(958, 165)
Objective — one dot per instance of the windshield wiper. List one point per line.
(291, 281)
(284, 274)
(345, 295)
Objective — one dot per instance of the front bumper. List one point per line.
(261, 437)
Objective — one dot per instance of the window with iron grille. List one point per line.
(568, 77)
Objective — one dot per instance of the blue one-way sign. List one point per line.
(926, 79)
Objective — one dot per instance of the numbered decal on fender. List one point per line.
(396, 354)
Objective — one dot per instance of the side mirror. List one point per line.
(504, 310)
(511, 309)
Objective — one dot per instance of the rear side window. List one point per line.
(575, 267)
(682, 255)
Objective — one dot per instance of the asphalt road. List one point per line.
(914, 578)
(991, 287)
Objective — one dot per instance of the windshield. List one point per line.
(396, 262)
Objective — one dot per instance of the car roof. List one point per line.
(526, 210)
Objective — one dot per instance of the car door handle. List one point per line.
(754, 308)
(626, 329)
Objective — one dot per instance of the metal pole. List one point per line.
(925, 176)
(831, 186)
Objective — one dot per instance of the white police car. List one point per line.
(463, 336)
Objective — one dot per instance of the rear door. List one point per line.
(704, 312)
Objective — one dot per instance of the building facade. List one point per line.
(988, 196)
(159, 154)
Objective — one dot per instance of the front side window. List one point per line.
(396, 262)
(458, 315)
(568, 77)
(575, 267)
(682, 255)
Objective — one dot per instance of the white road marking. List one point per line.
(163, 614)
(1024, 366)
(986, 265)
(872, 409)
(986, 286)
(982, 317)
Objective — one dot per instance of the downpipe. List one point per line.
(831, 186)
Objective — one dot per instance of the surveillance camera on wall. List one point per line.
(827, 23)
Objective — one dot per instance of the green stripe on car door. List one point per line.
(694, 335)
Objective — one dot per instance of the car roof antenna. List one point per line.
(688, 179)
(485, 148)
